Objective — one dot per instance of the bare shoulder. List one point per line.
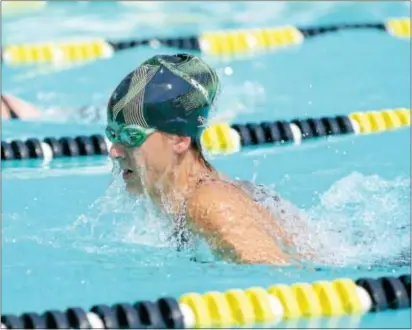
(217, 193)
(234, 225)
(218, 201)
(215, 188)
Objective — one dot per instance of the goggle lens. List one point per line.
(129, 136)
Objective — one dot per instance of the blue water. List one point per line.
(71, 239)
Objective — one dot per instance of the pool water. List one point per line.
(71, 237)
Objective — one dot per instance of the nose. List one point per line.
(117, 151)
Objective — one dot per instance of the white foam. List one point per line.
(123, 217)
(359, 221)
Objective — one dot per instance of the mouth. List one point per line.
(127, 173)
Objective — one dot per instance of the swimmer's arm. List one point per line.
(22, 109)
(228, 223)
(4, 113)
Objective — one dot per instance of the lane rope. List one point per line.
(9, 8)
(216, 43)
(223, 138)
(233, 307)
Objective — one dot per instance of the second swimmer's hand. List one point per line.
(227, 218)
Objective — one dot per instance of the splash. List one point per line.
(82, 115)
(360, 221)
(121, 217)
(363, 220)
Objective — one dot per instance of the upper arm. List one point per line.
(22, 109)
(232, 225)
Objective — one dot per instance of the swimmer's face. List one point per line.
(147, 165)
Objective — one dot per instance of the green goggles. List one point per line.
(131, 136)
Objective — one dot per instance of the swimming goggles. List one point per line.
(131, 136)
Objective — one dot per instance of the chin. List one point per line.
(134, 188)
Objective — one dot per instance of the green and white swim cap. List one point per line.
(171, 93)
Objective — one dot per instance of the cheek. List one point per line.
(151, 158)
(156, 153)
(137, 157)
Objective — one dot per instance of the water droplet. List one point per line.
(228, 71)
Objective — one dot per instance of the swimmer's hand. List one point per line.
(233, 225)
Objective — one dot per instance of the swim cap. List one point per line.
(171, 93)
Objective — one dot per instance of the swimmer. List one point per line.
(15, 108)
(155, 118)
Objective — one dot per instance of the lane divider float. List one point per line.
(232, 308)
(215, 43)
(225, 139)
(9, 8)
(51, 147)
(222, 138)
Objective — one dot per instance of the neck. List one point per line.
(178, 182)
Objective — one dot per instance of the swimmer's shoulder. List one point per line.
(215, 197)
(213, 188)
(232, 224)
